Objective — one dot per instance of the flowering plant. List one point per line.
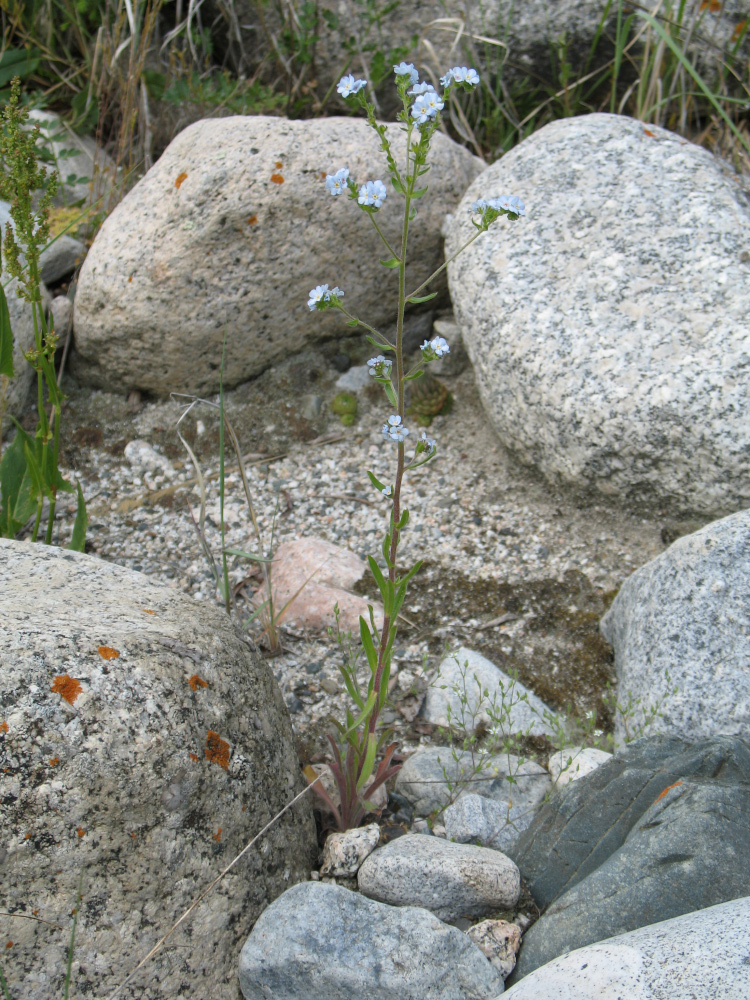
(354, 767)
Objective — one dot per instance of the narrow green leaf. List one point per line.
(375, 481)
(364, 714)
(247, 555)
(399, 600)
(384, 586)
(351, 687)
(78, 541)
(38, 486)
(387, 550)
(416, 299)
(412, 572)
(398, 185)
(353, 322)
(418, 194)
(403, 520)
(393, 262)
(369, 762)
(18, 503)
(6, 338)
(367, 644)
(390, 393)
(417, 374)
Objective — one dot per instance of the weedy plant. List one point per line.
(29, 472)
(356, 768)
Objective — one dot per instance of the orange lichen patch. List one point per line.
(108, 653)
(81, 832)
(130, 279)
(9, 944)
(194, 756)
(195, 682)
(659, 797)
(217, 749)
(253, 220)
(277, 178)
(3, 727)
(148, 611)
(132, 835)
(27, 836)
(739, 30)
(652, 134)
(217, 835)
(35, 913)
(711, 5)
(278, 164)
(180, 179)
(67, 687)
(54, 761)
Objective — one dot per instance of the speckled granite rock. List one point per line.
(345, 850)
(143, 743)
(512, 701)
(322, 940)
(610, 327)
(431, 777)
(499, 940)
(450, 880)
(701, 954)
(227, 234)
(685, 612)
(475, 819)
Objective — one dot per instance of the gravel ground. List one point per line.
(499, 542)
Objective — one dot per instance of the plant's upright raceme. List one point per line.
(362, 755)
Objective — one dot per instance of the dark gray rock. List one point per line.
(323, 942)
(685, 614)
(689, 848)
(589, 819)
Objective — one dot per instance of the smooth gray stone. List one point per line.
(689, 850)
(610, 345)
(324, 942)
(451, 880)
(685, 612)
(588, 820)
(698, 956)
(475, 819)
(61, 258)
(431, 778)
(460, 674)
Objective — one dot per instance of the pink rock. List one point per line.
(325, 572)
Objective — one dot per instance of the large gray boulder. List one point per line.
(700, 954)
(227, 234)
(323, 941)
(609, 341)
(684, 614)
(143, 743)
(15, 391)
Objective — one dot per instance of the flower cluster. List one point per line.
(507, 204)
(338, 183)
(406, 69)
(380, 367)
(434, 349)
(426, 106)
(460, 74)
(425, 443)
(372, 194)
(348, 86)
(393, 429)
(321, 297)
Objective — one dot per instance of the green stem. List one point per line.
(444, 265)
(373, 331)
(390, 249)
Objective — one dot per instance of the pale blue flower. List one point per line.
(338, 292)
(426, 106)
(505, 203)
(393, 429)
(461, 74)
(421, 88)
(318, 296)
(372, 193)
(380, 367)
(434, 349)
(446, 80)
(426, 442)
(387, 491)
(348, 86)
(337, 183)
(472, 77)
(517, 206)
(406, 69)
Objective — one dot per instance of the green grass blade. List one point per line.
(6, 991)
(73, 939)
(78, 541)
(6, 338)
